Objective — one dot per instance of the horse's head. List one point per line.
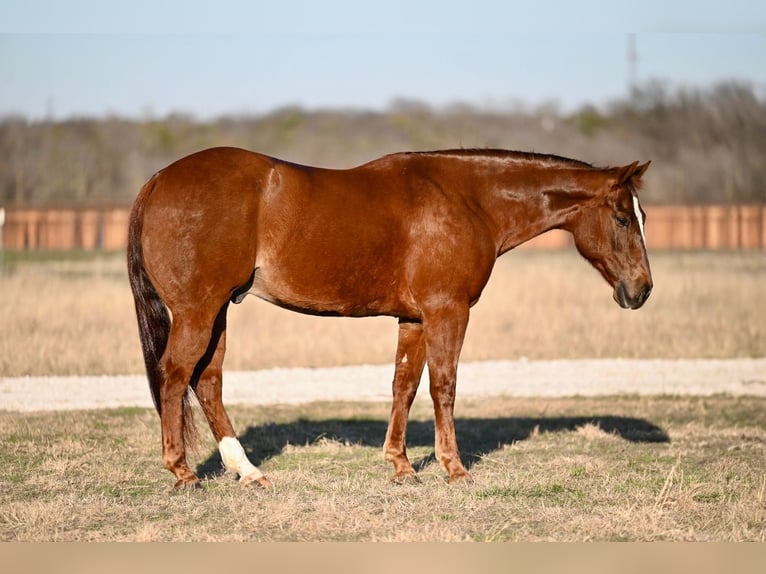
(609, 232)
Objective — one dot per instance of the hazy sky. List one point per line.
(211, 58)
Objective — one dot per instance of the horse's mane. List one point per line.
(541, 159)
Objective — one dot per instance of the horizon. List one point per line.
(241, 58)
(396, 105)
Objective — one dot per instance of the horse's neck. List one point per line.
(520, 205)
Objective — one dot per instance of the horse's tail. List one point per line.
(151, 313)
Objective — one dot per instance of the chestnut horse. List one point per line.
(409, 235)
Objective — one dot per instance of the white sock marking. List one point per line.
(235, 459)
(640, 219)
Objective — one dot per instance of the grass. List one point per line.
(75, 316)
(608, 469)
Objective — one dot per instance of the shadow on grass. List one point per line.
(476, 436)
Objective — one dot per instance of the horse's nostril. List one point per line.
(645, 292)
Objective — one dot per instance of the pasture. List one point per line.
(74, 316)
(611, 468)
(572, 468)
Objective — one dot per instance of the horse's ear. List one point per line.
(640, 171)
(632, 173)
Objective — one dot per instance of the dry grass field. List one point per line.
(75, 316)
(572, 468)
(603, 469)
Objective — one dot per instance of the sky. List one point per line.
(147, 58)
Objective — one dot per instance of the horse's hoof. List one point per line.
(405, 479)
(190, 485)
(462, 477)
(261, 481)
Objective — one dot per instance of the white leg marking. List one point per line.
(404, 359)
(235, 460)
(640, 219)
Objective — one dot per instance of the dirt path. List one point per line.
(372, 383)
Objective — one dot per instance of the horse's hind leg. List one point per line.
(187, 344)
(209, 390)
(410, 358)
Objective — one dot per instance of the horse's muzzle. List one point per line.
(634, 300)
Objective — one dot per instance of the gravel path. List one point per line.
(373, 383)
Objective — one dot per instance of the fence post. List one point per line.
(2, 232)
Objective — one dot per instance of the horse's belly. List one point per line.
(322, 296)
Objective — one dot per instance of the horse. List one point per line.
(410, 235)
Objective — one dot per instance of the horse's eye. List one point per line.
(622, 221)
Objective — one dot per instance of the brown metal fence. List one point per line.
(668, 227)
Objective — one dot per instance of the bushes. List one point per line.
(707, 145)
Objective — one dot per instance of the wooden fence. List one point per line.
(668, 227)
(88, 228)
(713, 227)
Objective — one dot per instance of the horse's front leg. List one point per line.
(444, 333)
(410, 359)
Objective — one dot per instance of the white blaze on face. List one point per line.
(235, 459)
(640, 219)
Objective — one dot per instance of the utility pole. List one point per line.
(632, 55)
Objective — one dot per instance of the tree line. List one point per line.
(707, 145)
